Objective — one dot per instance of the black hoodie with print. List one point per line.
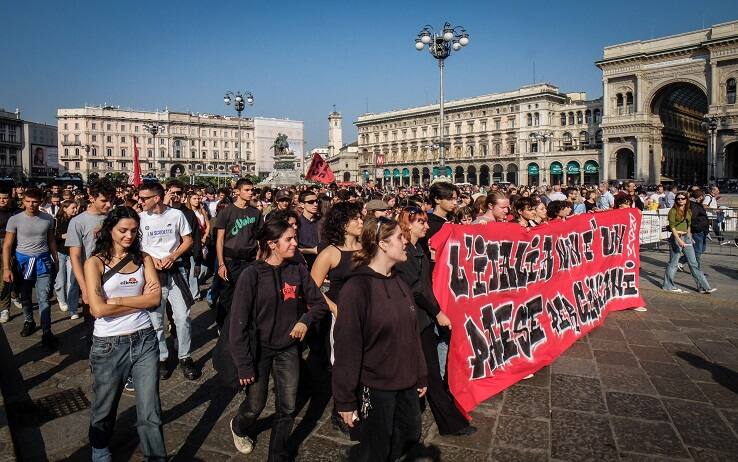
(377, 343)
(273, 298)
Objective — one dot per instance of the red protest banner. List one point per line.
(518, 298)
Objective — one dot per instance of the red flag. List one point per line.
(136, 177)
(320, 171)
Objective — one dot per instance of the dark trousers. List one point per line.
(318, 361)
(448, 417)
(234, 267)
(284, 366)
(392, 427)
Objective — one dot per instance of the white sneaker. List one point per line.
(74, 316)
(640, 309)
(676, 290)
(529, 376)
(63, 306)
(16, 303)
(4, 316)
(243, 444)
(680, 267)
(708, 291)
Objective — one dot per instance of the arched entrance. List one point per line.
(533, 174)
(484, 175)
(471, 175)
(557, 173)
(512, 174)
(497, 172)
(396, 177)
(176, 170)
(416, 177)
(387, 177)
(426, 175)
(625, 164)
(406, 177)
(346, 177)
(573, 173)
(730, 162)
(591, 172)
(681, 108)
(459, 174)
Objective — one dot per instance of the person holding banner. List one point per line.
(415, 271)
(377, 349)
(680, 222)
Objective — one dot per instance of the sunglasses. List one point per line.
(681, 198)
(311, 202)
(412, 210)
(145, 198)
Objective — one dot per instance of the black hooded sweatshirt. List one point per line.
(273, 299)
(377, 343)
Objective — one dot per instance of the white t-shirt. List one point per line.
(710, 202)
(161, 232)
(123, 285)
(557, 196)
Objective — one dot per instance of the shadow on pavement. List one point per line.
(728, 378)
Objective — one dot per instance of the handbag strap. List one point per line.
(115, 269)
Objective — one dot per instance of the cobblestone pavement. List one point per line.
(660, 385)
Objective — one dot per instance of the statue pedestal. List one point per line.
(285, 173)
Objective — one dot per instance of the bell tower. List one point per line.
(335, 140)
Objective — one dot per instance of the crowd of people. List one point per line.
(333, 282)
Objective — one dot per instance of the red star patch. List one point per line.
(289, 292)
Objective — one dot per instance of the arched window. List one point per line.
(597, 116)
(571, 118)
(533, 144)
(588, 116)
(529, 118)
(563, 119)
(566, 140)
(583, 139)
(629, 102)
(536, 119)
(619, 100)
(730, 91)
(580, 120)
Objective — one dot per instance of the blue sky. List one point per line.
(301, 57)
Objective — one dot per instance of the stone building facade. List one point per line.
(94, 141)
(533, 135)
(11, 144)
(659, 97)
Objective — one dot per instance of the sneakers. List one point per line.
(640, 309)
(680, 267)
(49, 340)
(529, 376)
(4, 316)
(63, 306)
(675, 290)
(74, 316)
(164, 372)
(129, 385)
(243, 444)
(708, 291)
(16, 303)
(188, 368)
(28, 328)
(466, 431)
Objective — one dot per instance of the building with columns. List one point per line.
(97, 140)
(533, 135)
(670, 108)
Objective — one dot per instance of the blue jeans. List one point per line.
(43, 290)
(671, 269)
(112, 360)
(66, 287)
(700, 245)
(181, 313)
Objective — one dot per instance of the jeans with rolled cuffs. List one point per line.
(112, 360)
(43, 291)
(671, 269)
(181, 313)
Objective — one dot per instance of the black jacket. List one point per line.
(700, 222)
(434, 225)
(267, 303)
(415, 271)
(196, 249)
(376, 337)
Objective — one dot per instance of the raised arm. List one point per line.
(323, 264)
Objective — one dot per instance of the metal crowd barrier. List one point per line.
(722, 239)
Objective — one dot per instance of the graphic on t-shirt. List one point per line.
(131, 281)
(289, 292)
(241, 223)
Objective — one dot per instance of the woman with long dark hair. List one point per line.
(65, 285)
(415, 271)
(681, 242)
(377, 349)
(268, 317)
(342, 229)
(122, 285)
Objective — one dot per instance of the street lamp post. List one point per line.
(542, 137)
(239, 102)
(153, 129)
(440, 45)
(711, 123)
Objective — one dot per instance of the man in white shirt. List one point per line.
(606, 200)
(166, 236)
(714, 214)
(556, 194)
